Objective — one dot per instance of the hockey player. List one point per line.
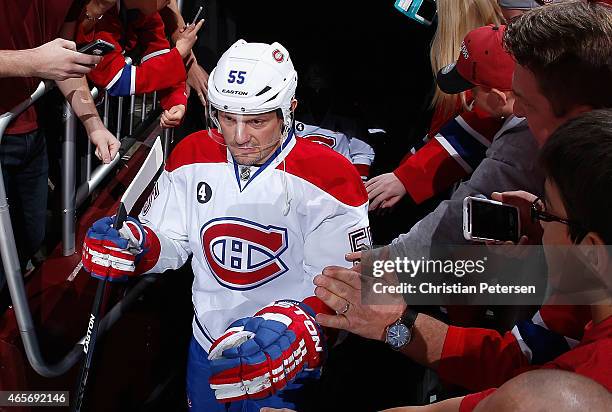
(356, 150)
(319, 119)
(261, 213)
(136, 26)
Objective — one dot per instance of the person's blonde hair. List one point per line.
(456, 18)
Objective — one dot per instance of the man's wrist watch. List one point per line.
(399, 333)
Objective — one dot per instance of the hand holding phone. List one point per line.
(97, 47)
(187, 38)
(490, 220)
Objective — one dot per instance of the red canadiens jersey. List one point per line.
(257, 234)
(592, 358)
(356, 150)
(450, 154)
(492, 358)
(161, 68)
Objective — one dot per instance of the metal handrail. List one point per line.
(8, 249)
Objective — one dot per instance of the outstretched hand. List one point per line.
(384, 191)
(340, 289)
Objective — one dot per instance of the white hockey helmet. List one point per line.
(253, 78)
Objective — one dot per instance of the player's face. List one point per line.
(251, 139)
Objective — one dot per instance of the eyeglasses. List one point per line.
(538, 212)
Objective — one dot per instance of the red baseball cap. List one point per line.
(483, 61)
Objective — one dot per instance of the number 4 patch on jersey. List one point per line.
(204, 192)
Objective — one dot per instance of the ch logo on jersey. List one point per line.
(322, 139)
(242, 254)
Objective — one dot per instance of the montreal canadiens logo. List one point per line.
(278, 55)
(322, 139)
(242, 254)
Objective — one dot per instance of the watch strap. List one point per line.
(408, 317)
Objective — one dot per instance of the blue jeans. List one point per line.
(202, 399)
(25, 169)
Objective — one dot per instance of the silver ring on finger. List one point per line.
(345, 308)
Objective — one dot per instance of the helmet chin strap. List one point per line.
(288, 198)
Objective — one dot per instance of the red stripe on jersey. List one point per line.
(432, 169)
(483, 122)
(429, 171)
(327, 170)
(198, 147)
(153, 250)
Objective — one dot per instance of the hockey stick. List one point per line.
(145, 175)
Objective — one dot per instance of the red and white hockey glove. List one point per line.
(259, 356)
(111, 253)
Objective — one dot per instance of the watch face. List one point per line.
(398, 335)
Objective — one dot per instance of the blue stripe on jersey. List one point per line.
(122, 86)
(466, 145)
(206, 335)
(545, 345)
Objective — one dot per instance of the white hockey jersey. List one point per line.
(357, 151)
(257, 234)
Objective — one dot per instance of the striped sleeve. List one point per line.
(449, 156)
(493, 358)
(550, 332)
(161, 67)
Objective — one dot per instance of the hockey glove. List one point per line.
(111, 253)
(259, 356)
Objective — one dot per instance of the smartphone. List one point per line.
(485, 219)
(97, 48)
(422, 11)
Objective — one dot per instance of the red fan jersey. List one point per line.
(161, 68)
(493, 359)
(591, 358)
(449, 154)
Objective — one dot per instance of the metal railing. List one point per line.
(71, 198)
